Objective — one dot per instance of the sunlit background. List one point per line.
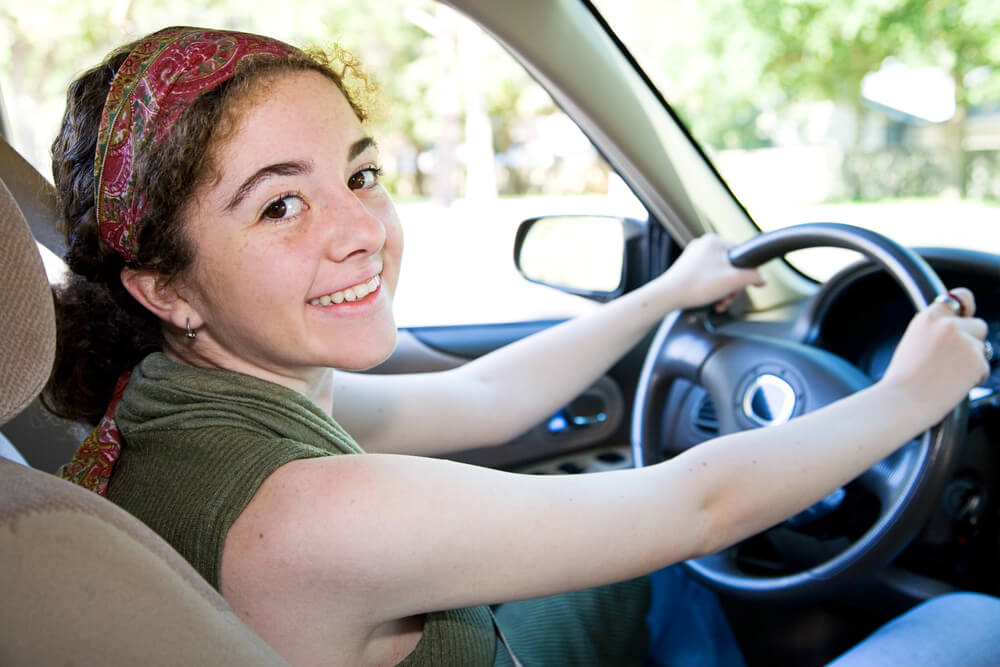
(880, 113)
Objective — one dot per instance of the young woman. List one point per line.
(231, 246)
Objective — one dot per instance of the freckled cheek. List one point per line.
(393, 243)
(256, 274)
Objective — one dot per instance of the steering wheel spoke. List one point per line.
(800, 551)
(755, 382)
(686, 341)
(886, 479)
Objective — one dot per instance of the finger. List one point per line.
(967, 299)
(959, 301)
(947, 301)
(973, 326)
(751, 277)
(725, 302)
(974, 332)
(985, 352)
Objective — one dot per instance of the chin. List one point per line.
(378, 350)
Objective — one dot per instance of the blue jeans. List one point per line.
(954, 629)
(689, 629)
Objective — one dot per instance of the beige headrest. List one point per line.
(27, 317)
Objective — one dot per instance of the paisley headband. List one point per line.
(159, 79)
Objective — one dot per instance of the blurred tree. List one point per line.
(822, 49)
(45, 44)
(450, 97)
(707, 59)
(728, 66)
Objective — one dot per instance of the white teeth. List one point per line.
(354, 293)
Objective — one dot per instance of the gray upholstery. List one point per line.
(28, 326)
(83, 582)
(34, 195)
(27, 322)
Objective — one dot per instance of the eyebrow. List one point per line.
(359, 147)
(293, 168)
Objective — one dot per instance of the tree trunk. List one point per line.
(955, 152)
(480, 172)
(443, 189)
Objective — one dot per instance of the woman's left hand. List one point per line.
(703, 274)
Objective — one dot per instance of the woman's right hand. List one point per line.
(941, 355)
(704, 274)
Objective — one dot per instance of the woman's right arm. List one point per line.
(382, 536)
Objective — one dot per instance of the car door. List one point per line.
(461, 295)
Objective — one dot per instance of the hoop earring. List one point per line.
(187, 330)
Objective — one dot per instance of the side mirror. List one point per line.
(578, 254)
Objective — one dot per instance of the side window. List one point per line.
(471, 144)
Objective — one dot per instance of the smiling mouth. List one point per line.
(350, 294)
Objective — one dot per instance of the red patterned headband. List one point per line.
(159, 79)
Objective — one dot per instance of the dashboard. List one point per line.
(860, 315)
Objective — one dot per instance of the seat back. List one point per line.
(43, 439)
(86, 583)
(83, 581)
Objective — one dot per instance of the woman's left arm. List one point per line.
(498, 396)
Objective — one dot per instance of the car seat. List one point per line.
(83, 581)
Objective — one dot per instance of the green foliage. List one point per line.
(414, 50)
(823, 48)
(724, 64)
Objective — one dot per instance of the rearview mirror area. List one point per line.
(579, 254)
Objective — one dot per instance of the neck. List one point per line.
(316, 384)
(319, 389)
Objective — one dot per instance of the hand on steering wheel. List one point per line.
(737, 369)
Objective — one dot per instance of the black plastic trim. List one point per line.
(474, 340)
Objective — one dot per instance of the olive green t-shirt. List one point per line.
(198, 443)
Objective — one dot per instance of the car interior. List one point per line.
(84, 578)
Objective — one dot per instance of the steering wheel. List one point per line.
(756, 381)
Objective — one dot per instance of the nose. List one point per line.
(354, 229)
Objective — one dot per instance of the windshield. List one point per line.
(884, 115)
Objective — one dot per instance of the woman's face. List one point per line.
(297, 245)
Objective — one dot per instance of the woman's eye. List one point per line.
(366, 178)
(285, 206)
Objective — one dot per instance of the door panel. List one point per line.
(470, 341)
(592, 425)
(589, 434)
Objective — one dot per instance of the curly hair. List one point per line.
(102, 331)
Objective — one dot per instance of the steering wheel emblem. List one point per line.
(769, 400)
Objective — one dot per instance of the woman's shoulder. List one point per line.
(191, 485)
(167, 403)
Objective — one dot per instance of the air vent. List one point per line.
(704, 418)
